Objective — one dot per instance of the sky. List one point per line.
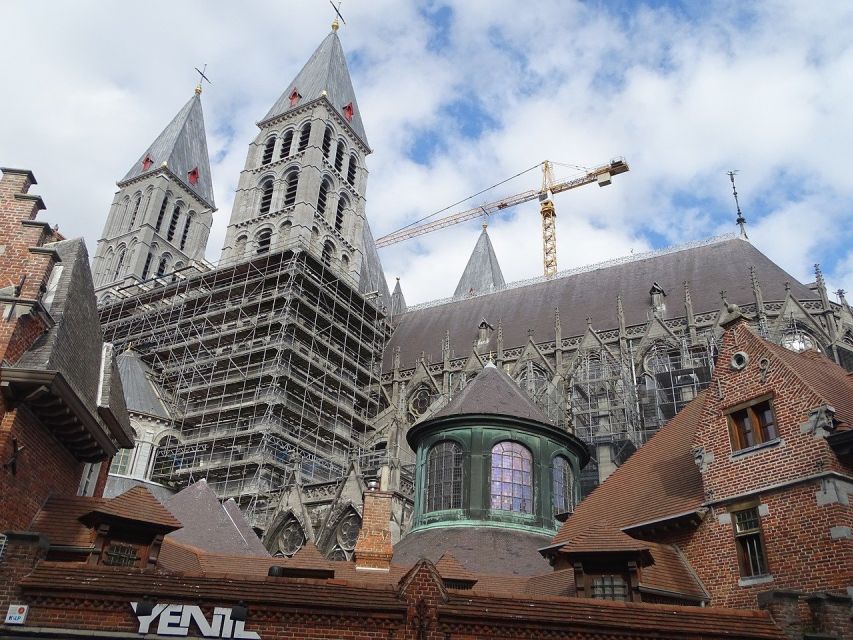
(458, 95)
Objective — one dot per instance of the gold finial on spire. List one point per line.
(201, 77)
(335, 24)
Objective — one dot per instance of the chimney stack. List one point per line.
(373, 550)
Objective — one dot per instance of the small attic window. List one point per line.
(146, 164)
(348, 112)
(295, 97)
(193, 176)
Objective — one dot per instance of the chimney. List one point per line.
(373, 550)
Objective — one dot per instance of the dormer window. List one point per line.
(295, 97)
(146, 164)
(348, 112)
(752, 424)
(192, 176)
(657, 295)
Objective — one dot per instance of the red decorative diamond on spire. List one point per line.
(193, 176)
(146, 164)
(295, 98)
(348, 111)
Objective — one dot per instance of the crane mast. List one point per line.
(601, 174)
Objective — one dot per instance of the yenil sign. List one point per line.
(175, 620)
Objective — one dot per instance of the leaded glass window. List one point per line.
(562, 486)
(512, 478)
(291, 538)
(444, 477)
(609, 587)
(121, 555)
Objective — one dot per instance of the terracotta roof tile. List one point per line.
(556, 583)
(449, 568)
(59, 520)
(309, 557)
(603, 537)
(138, 504)
(671, 572)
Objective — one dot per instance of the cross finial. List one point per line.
(741, 221)
(201, 78)
(335, 24)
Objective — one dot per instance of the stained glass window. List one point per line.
(512, 478)
(444, 477)
(562, 485)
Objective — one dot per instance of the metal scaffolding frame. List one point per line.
(267, 365)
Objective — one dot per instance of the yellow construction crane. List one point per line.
(602, 175)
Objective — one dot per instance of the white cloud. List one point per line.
(758, 88)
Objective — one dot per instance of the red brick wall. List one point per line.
(22, 553)
(373, 550)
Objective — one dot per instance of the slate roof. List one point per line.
(139, 391)
(493, 392)
(372, 276)
(326, 70)
(183, 146)
(398, 301)
(212, 526)
(708, 269)
(480, 550)
(482, 274)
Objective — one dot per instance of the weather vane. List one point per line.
(335, 23)
(201, 77)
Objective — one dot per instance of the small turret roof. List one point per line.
(482, 273)
(326, 70)
(138, 389)
(493, 392)
(398, 301)
(182, 145)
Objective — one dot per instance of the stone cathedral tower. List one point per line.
(161, 215)
(305, 177)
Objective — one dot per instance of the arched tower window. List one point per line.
(186, 232)
(240, 246)
(136, 204)
(328, 253)
(173, 223)
(162, 214)
(147, 266)
(339, 155)
(327, 142)
(119, 264)
(264, 240)
(323, 197)
(562, 486)
(351, 170)
(511, 477)
(161, 266)
(266, 196)
(304, 134)
(343, 203)
(291, 182)
(444, 477)
(268, 151)
(345, 262)
(286, 143)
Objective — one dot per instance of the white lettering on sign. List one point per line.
(17, 614)
(175, 620)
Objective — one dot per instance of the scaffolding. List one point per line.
(267, 365)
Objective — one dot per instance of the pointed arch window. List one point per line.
(186, 232)
(327, 142)
(533, 380)
(351, 170)
(291, 182)
(161, 266)
(304, 135)
(268, 151)
(264, 241)
(286, 143)
(339, 156)
(328, 253)
(562, 486)
(323, 197)
(163, 207)
(119, 264)
(136, 204)
(147, 266)
(444, 477)
(343, 203)
(173, 223)
(266, 197)
(511, 477)
(291, 538)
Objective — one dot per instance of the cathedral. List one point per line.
(291, 378)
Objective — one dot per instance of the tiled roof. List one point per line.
(309, 557)
(59, 520)
(660, 480)
(671, 572)
(138, 504)
(592, 293)
(450, 569)
(600, 537)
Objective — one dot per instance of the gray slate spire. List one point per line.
(326, 70)
(183, 146)
(483, 273)
(398, 302)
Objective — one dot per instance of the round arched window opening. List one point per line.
(511, 478)
(562, 486)
(348, 529)
(798, 340)
(291, 538)
(444, 477)
(421, 400)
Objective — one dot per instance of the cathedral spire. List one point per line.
(182, 149)
(325, 75)
(398, 301)
(483, 272)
